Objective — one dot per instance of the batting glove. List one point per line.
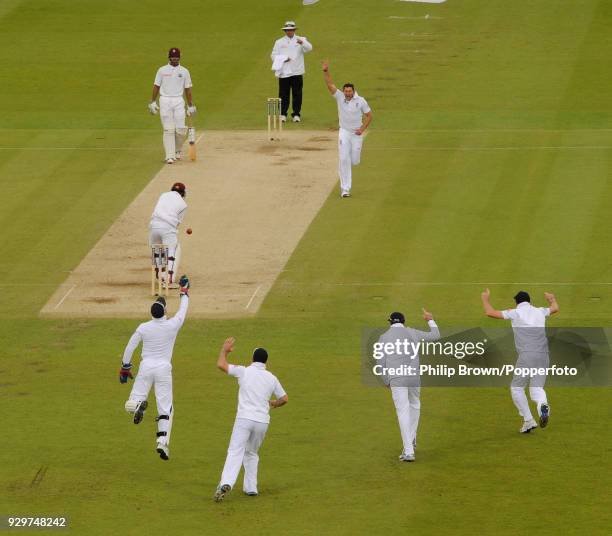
(125, 372)
(185, 285)
(153, 107)
(191, 110)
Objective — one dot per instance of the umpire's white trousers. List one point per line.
(161, 233)
(407, 402)
(349, 154)
(247, 437)
(160, 377)
(172, 115)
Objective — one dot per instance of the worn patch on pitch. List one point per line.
(250, 201)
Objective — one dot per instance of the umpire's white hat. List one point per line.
(290, 25)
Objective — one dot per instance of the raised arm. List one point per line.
(305, 44)
(552, 302)
(434, 332)
(179, 318)
(488, 308)
(226, 349)
(327, 77)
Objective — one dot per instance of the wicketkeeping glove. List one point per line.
(125, 372)
(184, 284)
(153, 107)
(191, 110)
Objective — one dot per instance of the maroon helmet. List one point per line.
(174, 53)
(180, 188)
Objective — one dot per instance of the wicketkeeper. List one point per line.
(158, 336)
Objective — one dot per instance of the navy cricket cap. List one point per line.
(260, 355)
(396, 318)
(158, 309)
(521, 297)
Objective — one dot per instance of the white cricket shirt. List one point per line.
(256, 388)
(172, 81)
(528, 323)
(158, 336)
(350, 112)
(294, 51)
(169, 210)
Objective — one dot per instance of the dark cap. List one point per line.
(158, 309)
(396, 318)
(521, 297)
(174, 53)
(260, 355)
(179, 187)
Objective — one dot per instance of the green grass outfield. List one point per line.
(488, 162)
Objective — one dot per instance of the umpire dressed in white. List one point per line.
(256, 387)
(406, 388)
(158, 337)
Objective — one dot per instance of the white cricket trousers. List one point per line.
(172, 115)
(168, 236)
(349, 154)
(160, 377)
(536, 384)
(247, 437)
(407, 402)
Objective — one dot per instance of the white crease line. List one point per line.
(447, 283)
(77, 149)
(199, 138)
(252, 297)
(65, 296)
(513, 148)
(492, 130)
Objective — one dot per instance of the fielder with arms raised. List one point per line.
(406, 389)
(256, 387)
(528, 324)
(354, 116)
(171, 81)
(157, 336)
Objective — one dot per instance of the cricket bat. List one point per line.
(191, 138)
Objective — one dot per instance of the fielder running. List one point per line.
(528, 325)
(405, 389)
(158, 336)
(256, 387)
(354, 116)
(171, 81)
(167, 215)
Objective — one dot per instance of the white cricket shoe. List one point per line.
(221, 492)
(283, 118)
(163, 451)
(403, 457)
(528, 426)
(296, 119)
(178, 155)
(169, 160)
(345, 193)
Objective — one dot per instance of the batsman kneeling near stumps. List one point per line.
(158, 336)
